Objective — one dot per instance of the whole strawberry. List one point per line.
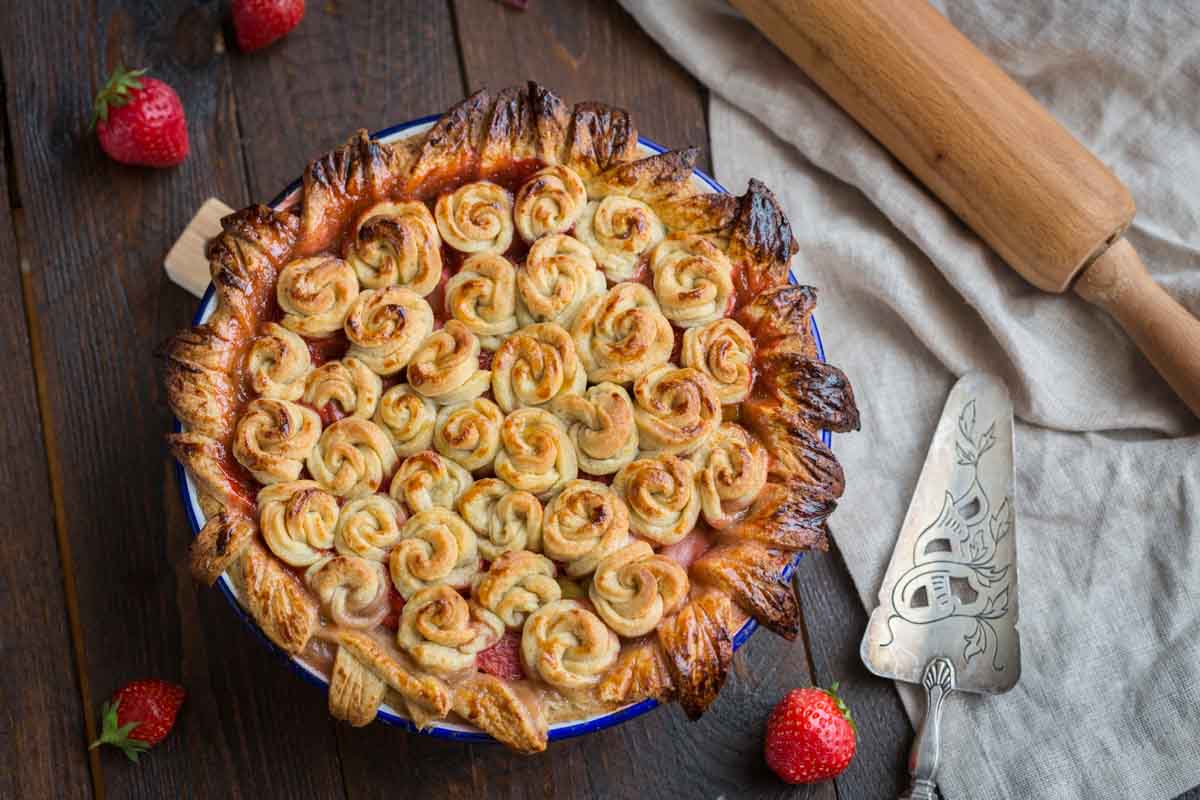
(258, 23)
(139, 715)
(140, 120)
(810, 736)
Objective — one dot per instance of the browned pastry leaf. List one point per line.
(201, 398)
(355, 692)
(761, 240)
(452, 145)
(698, 213)
(640, 673)
(425, 691)
(245, 259)
(652, 179)
(750, 572)
(601, 136)
(784, 311)
(283, 608)
(204, 458)
(818, 393)
(795, 450)
(498, 708)
(792, 516)
(218, 545)
(698, 649)
(525, 123)
(215, 345)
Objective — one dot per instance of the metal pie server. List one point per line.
(947, 614)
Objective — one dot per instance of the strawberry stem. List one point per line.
(832, 691)
(119, 735)
(116, 93)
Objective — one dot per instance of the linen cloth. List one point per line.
(1108, 461)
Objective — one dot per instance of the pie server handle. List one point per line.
(939, 681)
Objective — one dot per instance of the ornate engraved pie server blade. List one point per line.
(947, 614)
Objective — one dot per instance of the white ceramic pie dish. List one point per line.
(388, 714)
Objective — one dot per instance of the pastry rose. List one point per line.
(445, 367)
(622, 334)
(397, 244)
(442, 632)
(436, 547)
(584, 523)
(298, 520)
(426, 480)
(534, 366)
(476, 218)
(386, 326)
(407, 418)
(535, 455)
(278, 362)
(483, 296)
(316, 294)
(549, 202)
(618, 230)
(352, 458)
(504, 519)
(693, 279)
(517, 584)
(661, 495)
(633, 589)
(567, 646)
(274, 437)
(368, 527)
(722, 350)
(600, 424)
(731, 470)
(558, 275)
(348, 383)
(353, 591)
(469, 433)
(676, 409)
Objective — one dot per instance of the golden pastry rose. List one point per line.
(483, 296)
(352, 458)
(407, 418)
(731, 470)
(427, 480)
(436, 548)
(558, 275)
(445, 367)
(517, 584)
(469, 433)
(353, 591)
(442, 632)
(676, 409)
(693, 279)
(534, 366)
(622, 334)
(278, 362)
(386, 326)
(535, 455)
(274, 437)
(584, 523)
(368, 527)
(618, 230)
(660, 493)
(504, 519)
(633, 589)
(397, 244)
(549, 202)
(297, 520)
(476, 218)
(316, 294)
(600, 424)
(724, 351)
(348, 383)
(567, 646)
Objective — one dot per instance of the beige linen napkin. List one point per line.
(1108, 461)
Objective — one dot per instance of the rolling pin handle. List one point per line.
(939, 681)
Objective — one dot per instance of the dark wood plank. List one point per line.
(100, 304)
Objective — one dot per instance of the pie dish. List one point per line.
(506, 424)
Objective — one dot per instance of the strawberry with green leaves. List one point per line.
(139, 715)
(811, 736)
(140, 120)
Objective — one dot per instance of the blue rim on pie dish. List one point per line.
(846, 419)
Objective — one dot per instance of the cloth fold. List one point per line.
(1108, 461)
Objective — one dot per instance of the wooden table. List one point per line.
(92, 580)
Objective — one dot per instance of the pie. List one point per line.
(506, 423)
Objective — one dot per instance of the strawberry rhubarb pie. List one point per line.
(505, 423)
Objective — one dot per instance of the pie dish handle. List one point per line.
(939, 681)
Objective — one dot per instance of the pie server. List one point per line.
(947, 614)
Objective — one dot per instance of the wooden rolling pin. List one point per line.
(995, 156)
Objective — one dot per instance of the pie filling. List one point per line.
(504, 424)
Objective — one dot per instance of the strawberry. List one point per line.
(810, 736)
(503, 659)
(258, 23)
(140, 120)
(139, 715)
